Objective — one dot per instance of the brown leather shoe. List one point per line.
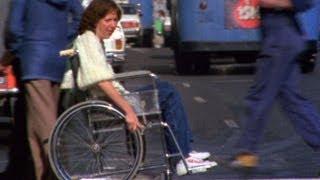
(245, 160)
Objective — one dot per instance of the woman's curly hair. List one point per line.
(97, 10)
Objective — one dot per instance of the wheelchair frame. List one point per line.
(134, 144)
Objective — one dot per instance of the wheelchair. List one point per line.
(91, 140)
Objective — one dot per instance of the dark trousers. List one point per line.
(42, 101)
(277, 78)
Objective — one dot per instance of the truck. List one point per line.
(204, 30)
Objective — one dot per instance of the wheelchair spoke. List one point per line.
(74, 155)
(84, 127)
(76, 164)
(100, 163)
(76, 138)
(93, 141)
(110, 141)
(116, 161)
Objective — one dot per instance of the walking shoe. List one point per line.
(199, 155)
(245, 160)
(194, 165)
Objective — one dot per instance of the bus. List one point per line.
(204, 29)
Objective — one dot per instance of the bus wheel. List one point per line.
(191, 63)
(183, 63)
(201, 64)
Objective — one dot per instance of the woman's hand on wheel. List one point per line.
(133, 122)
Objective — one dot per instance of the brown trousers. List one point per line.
(42, 98)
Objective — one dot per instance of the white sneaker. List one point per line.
(194, 165)
(199, 155)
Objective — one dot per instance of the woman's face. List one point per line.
(107, 25)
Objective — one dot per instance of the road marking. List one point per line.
(231, 123)
(200, 100)
(233, 81)
(185, 84)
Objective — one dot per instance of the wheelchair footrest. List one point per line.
(174, 155)
(199, 169)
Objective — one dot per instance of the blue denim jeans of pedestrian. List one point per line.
(277, 78)
(174, 114)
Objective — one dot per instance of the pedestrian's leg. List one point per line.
(55, 91)
(41, 114)
(300, 111)
(271, 70)
(36, 154)
(274, 67)
(259, 100)
(279, 57)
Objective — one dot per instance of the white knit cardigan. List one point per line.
(93, 64)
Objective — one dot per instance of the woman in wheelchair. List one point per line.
(98, 22)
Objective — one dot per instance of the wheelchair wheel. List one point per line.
(91, 140)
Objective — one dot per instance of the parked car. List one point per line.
(130, 22)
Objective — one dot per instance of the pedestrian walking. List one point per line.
(277, 78)
(37, 31)
(158, 29)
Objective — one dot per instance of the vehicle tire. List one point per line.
(191, 63)
(183, 63)
(146, 40)
(201, 64)
(139, 41)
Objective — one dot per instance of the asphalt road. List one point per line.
(214, 103)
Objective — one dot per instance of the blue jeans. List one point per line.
(277, 78)
(173, 113)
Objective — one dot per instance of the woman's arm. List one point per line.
(131, 118)
(94, 70)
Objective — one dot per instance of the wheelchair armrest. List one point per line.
(134, 74)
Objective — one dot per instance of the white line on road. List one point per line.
(200, 100)
(185, 84)
(231, 123)
(233, 81)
